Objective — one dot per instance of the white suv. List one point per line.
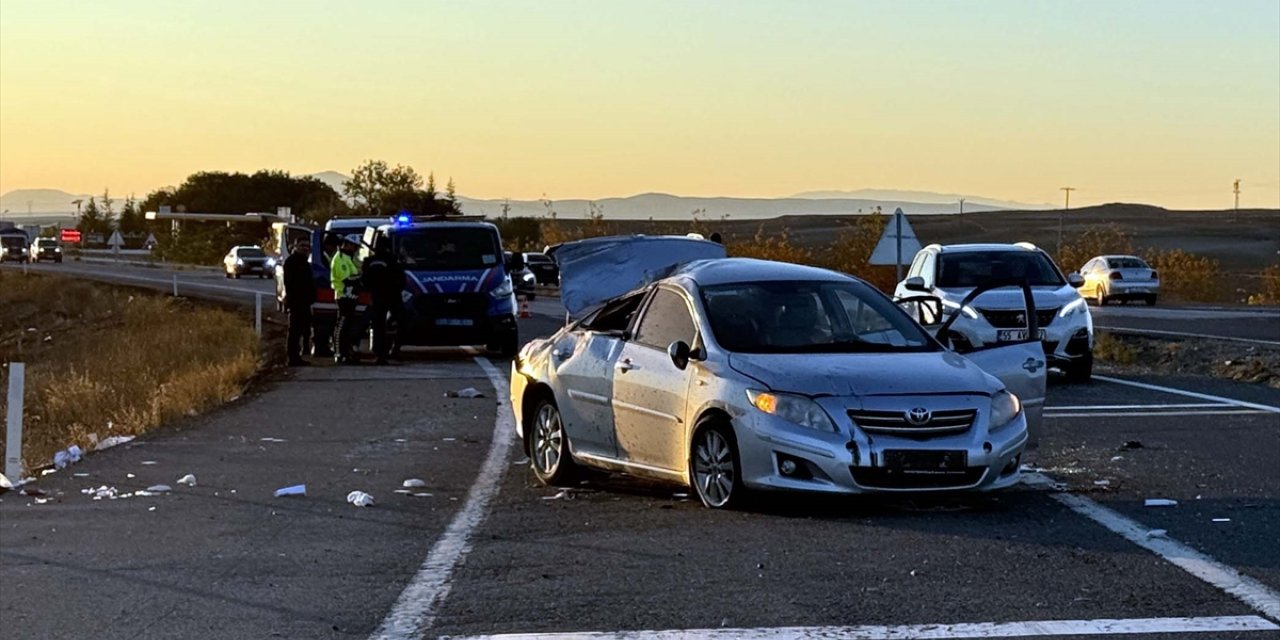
(952, 272)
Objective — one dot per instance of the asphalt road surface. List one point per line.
(1072, 552)
(1261, 325)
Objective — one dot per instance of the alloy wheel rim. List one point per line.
(713, 468)
(548, 440)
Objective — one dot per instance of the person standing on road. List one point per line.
(322, 342)
(299, 294)
(344, 275)
(384, 277)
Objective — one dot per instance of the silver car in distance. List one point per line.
(734, 375)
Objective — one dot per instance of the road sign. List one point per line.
(150, 241)
(70, 235)
(115, 241)
(898, 244)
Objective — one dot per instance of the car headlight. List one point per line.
(794, 409)
(58, 249)
(239, 262)
(271, 263)
(503, 290)
(1004, 408)
(966, 309)
(1073, 307)
(528, 278)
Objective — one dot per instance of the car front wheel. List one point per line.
(1081, 369)
(714, 468)
(549, 445)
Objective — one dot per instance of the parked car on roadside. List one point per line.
(952, 272)
(1122, 278)
(247, 260)
(46, 249)
(525, 282)
(543, 268)
(733, 375)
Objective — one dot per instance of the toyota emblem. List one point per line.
(918, 416)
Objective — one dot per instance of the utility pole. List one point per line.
(1236, 189)
(961, 206)
(1065, 206)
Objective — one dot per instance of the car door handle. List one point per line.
(1033, 365)
(626, 365)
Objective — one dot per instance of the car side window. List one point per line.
(615, 316)
(666, 320)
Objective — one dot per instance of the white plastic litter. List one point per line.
(415, 483)
(149, 462)
(41, 500)
(189, 480)
(360, 499)
(48, 471)
(404, 491)
(1222, 519)
(469, 392)
(1160, 502)
(100, 492)
(130, 475)
(80, 475)
(112, 441)
(564, 494)
(272, 440)
(1102, 483)
(159, 488)
(295, 490)
(422, 494)
(5, 483)
(151, 508)
(70, 455)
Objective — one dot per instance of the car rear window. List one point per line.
(251, 253)
(1126, 263)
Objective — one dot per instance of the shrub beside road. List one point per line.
(105, 360)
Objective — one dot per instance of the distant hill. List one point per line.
(42, 202)
(331, 178)
(926, 197)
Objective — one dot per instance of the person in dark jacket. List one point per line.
(383, 275)
(322, 342)
(299, 295)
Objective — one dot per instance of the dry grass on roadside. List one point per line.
(105, 360)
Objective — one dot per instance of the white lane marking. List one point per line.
(1246, 589)
(1146, 414)
(1190, 394)
(1181, 334)
(1035, 628)
(415, 611)
(1100, 407)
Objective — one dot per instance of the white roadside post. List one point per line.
(13, 438)
(257, 312)
(175, 285)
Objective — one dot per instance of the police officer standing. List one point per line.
(322, 344)
(384, 278)
(344, 275)
(299, 294)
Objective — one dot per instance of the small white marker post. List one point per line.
(257, 312)
(13, 439)
(175, 285)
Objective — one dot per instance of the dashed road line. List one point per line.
(415, 610)
(1028, 629)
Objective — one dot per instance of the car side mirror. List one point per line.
(515, 261)
(1075, 280)
(679, 352)
(915, 283)
(927, 310)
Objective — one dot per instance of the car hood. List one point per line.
(1011, 298)
(865, 374)
(595, 270)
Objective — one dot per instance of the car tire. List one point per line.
(714, 469)
(1151, 301)
(1080, 370)
(236, 276)
(548, 448)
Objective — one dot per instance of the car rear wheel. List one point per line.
(1100, 297)
(549, 445)
(1151, 301)
(714, 468)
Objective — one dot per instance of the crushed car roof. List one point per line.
(596, 270)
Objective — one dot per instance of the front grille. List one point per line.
(1017, 318)
(881, 478)
(895, 422)
(452, 305)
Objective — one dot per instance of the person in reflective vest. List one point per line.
(344, 275)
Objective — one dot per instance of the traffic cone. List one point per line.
(524, 308)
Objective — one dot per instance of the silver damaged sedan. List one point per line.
(736, 375)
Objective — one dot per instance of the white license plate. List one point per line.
(454, 322)
(1015, 335)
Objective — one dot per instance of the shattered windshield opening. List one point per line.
(809, 317)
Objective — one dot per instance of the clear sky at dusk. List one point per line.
(1157, 101)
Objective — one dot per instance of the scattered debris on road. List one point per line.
(1102, 483)
(70, 455)
(469, 392)
(295, 490)
(272, 440)
(564, 494)
(159, 488)
(101, 492)
(414, 483)
(5, 484)
(112, 441)
(1160, 502)
(1222, 519)
(189, 480)
(360, 499)
(149, 462)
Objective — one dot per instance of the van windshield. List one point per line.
(447, 248)
(14, 241)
